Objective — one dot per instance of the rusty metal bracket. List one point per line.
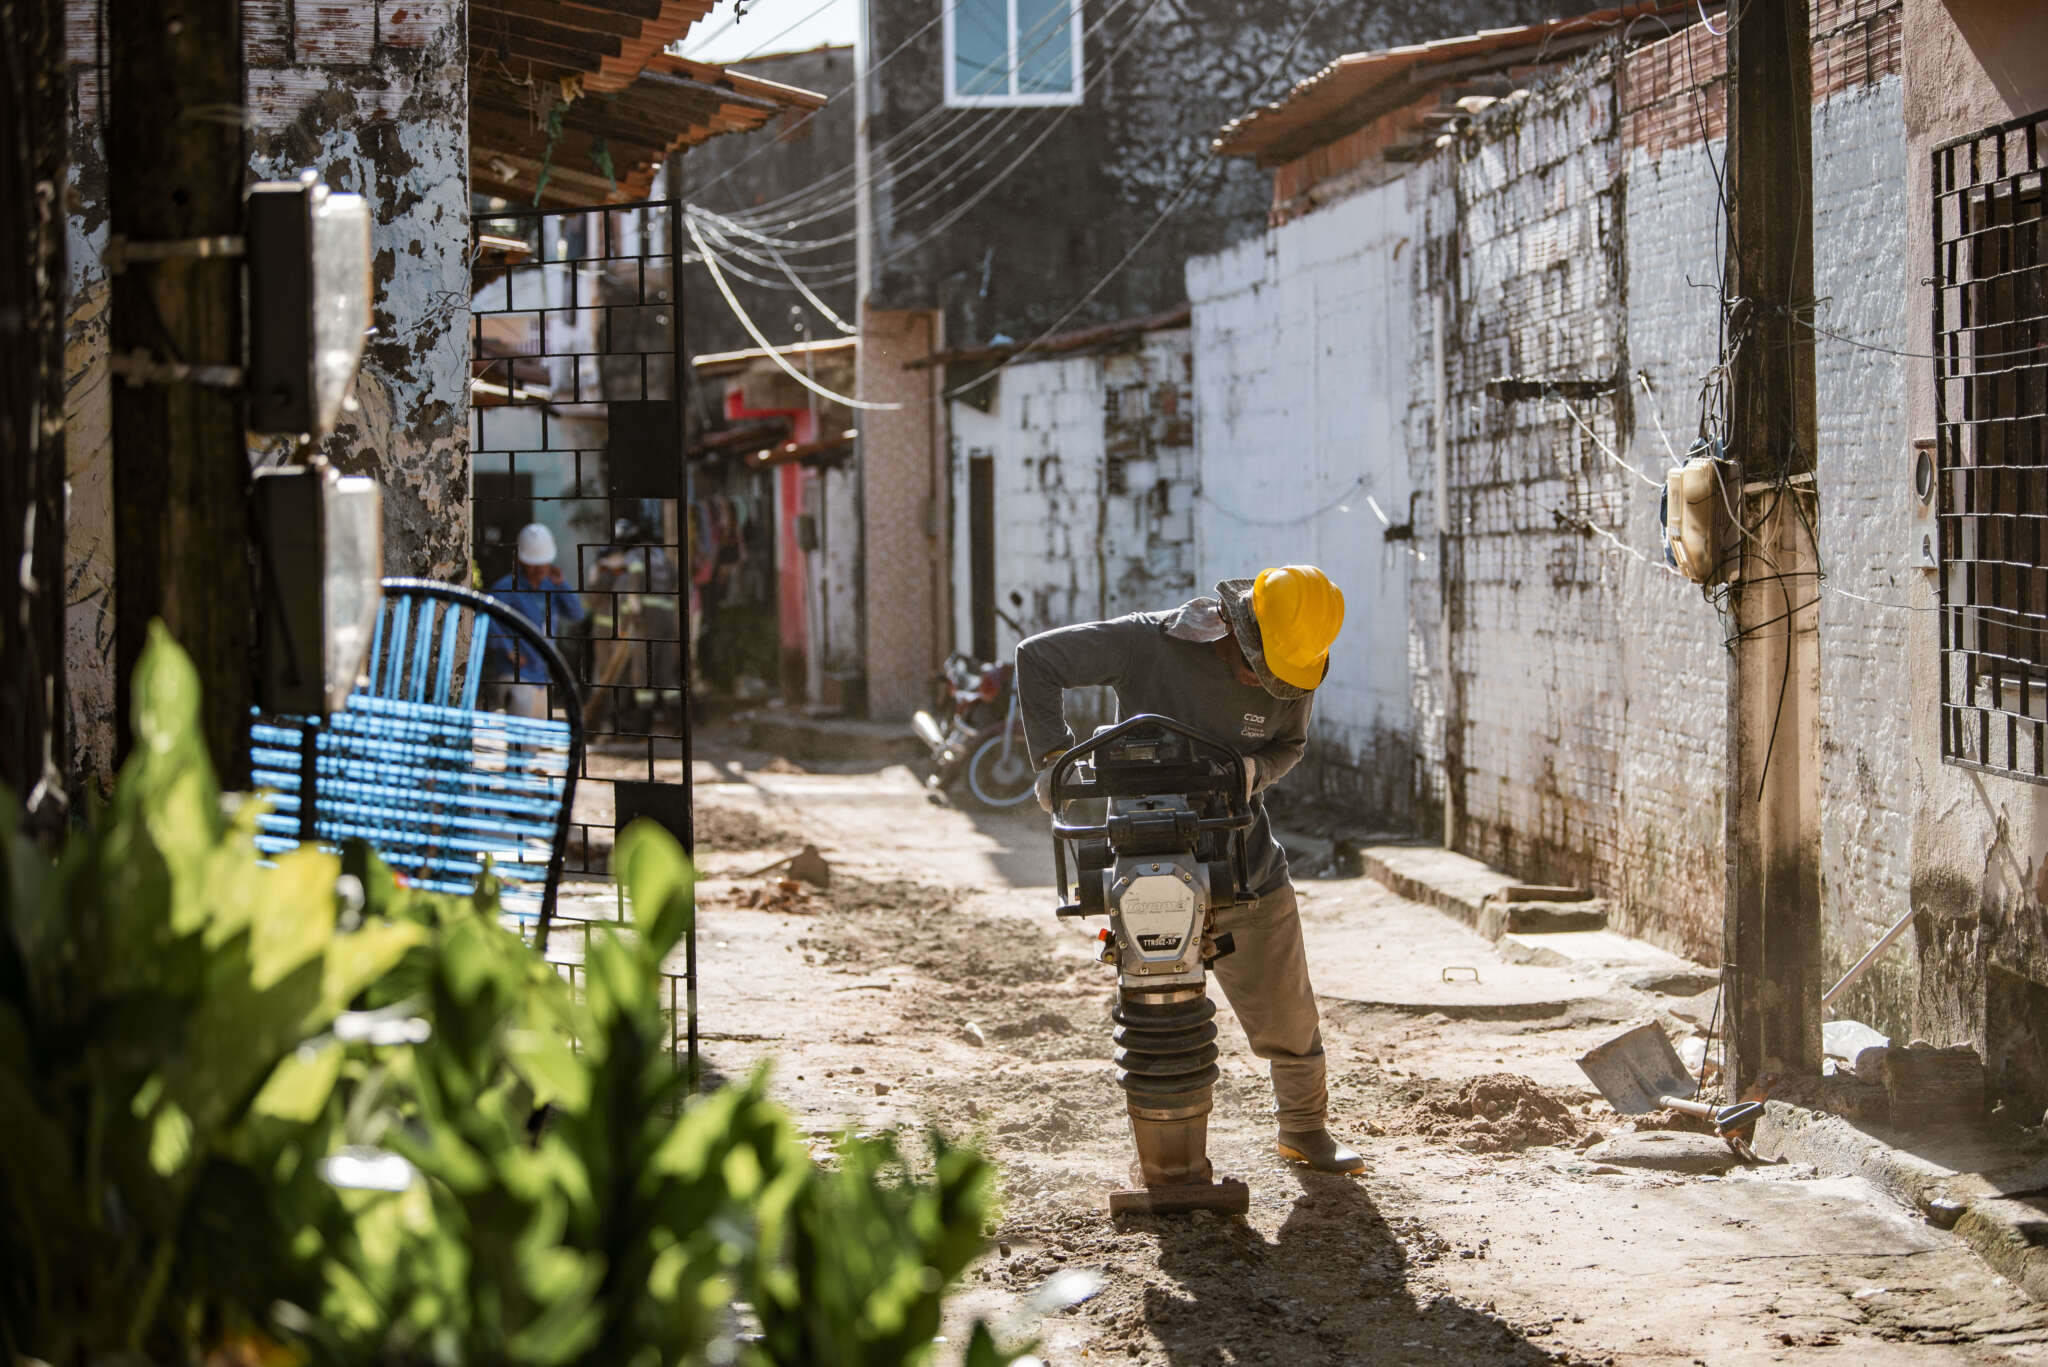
(123, 252)
(138, 367)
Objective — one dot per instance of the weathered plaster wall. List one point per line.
(1866, 539)
(1160, 80)
(1094, 465)
(1980, 842)
(373, 95)
(1301, 353)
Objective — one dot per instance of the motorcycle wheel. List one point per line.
(997, 781)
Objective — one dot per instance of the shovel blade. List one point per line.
(1633, 1070)
(810, 866)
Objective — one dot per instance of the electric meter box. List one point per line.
(321, 545)
(1692, 523)
(309, 303)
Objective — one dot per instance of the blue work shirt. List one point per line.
(553, 608)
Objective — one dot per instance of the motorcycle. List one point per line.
(982, 737)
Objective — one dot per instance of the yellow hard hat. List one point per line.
(1299, 612)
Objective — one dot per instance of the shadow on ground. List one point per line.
(1332, 1285)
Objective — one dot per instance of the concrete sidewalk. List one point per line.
(1538, 944)
(1991, 1194)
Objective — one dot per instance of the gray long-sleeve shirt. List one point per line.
(1162, 662)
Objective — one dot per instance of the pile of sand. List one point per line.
(1489, 1114)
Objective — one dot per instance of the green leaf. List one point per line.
(299, 1088)
(354, 961)
(545, 1062)
(659, 883)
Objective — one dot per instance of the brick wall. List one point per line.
(1540, 695)
(1572, 233)
(372, 94)
(1094, 465)
(902, 593)
(1675, 92)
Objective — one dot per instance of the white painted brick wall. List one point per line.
(1860, 265)
(1302, 344)
(1592, 684)
(1670, 870)
(1538, 737)
(1067, 548)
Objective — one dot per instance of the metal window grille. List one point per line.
(1991, 416)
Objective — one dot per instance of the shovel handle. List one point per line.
(1698, 1108)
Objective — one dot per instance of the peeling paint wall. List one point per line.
(1541, 696)
(1094, 487)
(374, 96)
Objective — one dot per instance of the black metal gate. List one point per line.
(577, 391)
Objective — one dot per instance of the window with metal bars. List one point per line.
(1991, 417)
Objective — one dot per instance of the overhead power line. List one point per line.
(753, 330)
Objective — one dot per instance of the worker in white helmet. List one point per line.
(537, 591)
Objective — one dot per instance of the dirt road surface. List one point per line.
(931, 985)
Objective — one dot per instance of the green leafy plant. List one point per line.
(629, 1225)
(156, 985)
(238, 1130)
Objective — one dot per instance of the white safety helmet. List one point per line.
(536, 545)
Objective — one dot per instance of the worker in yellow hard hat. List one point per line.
(1241, 665)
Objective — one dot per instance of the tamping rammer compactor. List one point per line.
(1168, 854)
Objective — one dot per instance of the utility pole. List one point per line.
(1772, 930)
(175, 167)
(34, 753)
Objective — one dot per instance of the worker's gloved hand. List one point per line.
(1043, 785)
(1251, 779)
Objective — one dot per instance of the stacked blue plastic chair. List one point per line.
(442, 790)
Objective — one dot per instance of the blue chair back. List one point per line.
(441, 789)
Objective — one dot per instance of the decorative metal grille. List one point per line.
(1991, 417)
(576, 422)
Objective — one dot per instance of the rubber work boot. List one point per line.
(1317, 1149)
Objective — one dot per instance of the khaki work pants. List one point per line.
(1266, 982)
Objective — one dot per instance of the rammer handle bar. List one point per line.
(1238, 819)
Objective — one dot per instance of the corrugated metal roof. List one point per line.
(625, 103)
(1355, 89)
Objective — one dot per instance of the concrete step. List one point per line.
(1533, 926)
(1436, 877)
(1500, 917)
